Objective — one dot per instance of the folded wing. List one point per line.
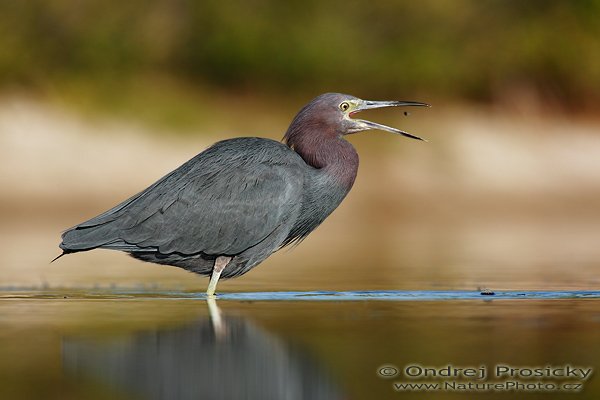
(222, 202)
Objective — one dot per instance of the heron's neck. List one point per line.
(330, 153)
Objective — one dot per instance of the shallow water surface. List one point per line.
(297, 345)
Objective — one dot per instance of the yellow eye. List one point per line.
(344, 106)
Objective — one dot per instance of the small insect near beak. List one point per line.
(363, 125)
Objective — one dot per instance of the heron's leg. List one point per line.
(220, 264)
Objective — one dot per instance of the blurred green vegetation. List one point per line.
(477, 50)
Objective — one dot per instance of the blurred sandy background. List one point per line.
(99, 99)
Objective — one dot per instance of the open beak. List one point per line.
(363, 125)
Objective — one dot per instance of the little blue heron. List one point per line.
(237, 202)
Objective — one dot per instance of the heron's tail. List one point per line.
(87, 237)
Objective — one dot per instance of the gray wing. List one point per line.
(223, 201)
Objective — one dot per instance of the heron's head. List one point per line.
(334, 113)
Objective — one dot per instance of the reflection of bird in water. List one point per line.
(218, 358)
(233, 205)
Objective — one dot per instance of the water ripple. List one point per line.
(403, 295)
(367, 295)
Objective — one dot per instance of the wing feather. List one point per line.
(223, 201)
